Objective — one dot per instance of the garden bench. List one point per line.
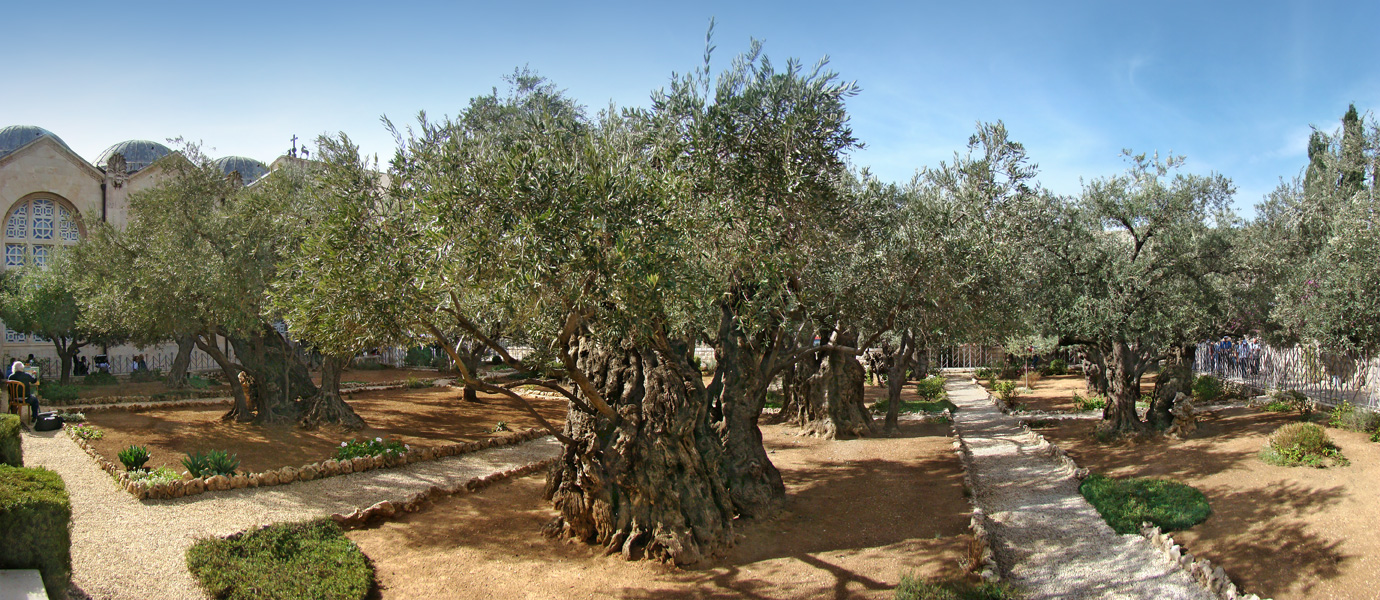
(21, 584)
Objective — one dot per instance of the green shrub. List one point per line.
(916, 406)
(73, 417)
(1009, 372)
(1126, 503)
(311, 560)
(1298, 444)
(99, 378)
(1057, 366)
(932, 388)
(1295, 400)
(911, 588)
(35, 516)
(1006, 390)
(215, 462)
(1277, 406)
(146, 375)
(418, 357)
(56, 393)
(374, 447)
(87, 432)
(984, 373)
(134, 457)
(11, 446)
(198, 382)
(1089, 402)
(773, 400)
(1207, 388)
(369, 364)
(415, 383)
(1350, 417)
(501, 426)
(155, 476)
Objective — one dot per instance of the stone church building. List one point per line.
(49, 194)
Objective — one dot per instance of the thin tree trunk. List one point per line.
(1123, 384)
(1175, 377)
(239, 412)
(1095, 370)
(648, 483)
(177, 373)
(65, 352)
(327, 406)
(897, 364)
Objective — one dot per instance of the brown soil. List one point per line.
(1281, 532)
(419, 417)
(1054, 393)
(860, 514)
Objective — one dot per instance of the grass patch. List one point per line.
(1089, 402)
(773, 401)
(1126, 503)
(911, 588)
(916, 406)
(290, 561)
(1302, 444)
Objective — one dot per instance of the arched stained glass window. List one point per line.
(34, 226)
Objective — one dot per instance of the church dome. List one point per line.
(15, 137)
(138, 154)
(249, 169)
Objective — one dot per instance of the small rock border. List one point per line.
(1201, 570)
(387, 509)
(988, 571)
(143, 402)
(192, 486)
(102, 400)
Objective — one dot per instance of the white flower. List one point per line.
(344, 444)
(379, 439)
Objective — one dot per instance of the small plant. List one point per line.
(1302, 444)
(215, 462)
(501, 426)
(198, 382)
(134, 457)
(984, 373)
(1006, 390)
(57, 393)
(1040, 423)
(374, 447)
(932, 388)
(99, 378)
(87, 432)
(911, 588)
(1207, 388)
(413, 383)
(773, 400)
(1057, 366)
(73, 417)
(1276, 406)
(1348, 416)
(155, 476)
(1126, 503)
(1093, 402)
(146, 375)
(420, 356)
(1293, 400)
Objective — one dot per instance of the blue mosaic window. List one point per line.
(14, 337)
(34, 226)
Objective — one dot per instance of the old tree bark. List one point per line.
(327, 406)
(274, 378)
(1175, 377)
(738, 394)
(829, 394)
(1124, 364)
(646, 482)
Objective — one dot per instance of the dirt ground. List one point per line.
(419, 417)
(1290, 533)
(860, 514)
(1054, 393)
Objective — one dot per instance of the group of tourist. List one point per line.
(1232, 356)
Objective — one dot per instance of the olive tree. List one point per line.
(40, 302)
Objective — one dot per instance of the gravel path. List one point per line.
(124, 548)
(1048, 540)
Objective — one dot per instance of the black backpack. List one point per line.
(48, 421)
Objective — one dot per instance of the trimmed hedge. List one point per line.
(35, 516)
(11, 448)
(309, 560)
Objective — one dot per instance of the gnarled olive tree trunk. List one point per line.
(753, 481)
(1123, 390)
(327, 406)
(1175, 377)
(1095, 371)
(177, 372)
(277, 377)
(648, 483)
(839, 412)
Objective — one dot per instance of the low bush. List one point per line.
(501, 426)
(932, 388)
(146, 375)
(1057, 366)
(1350, 417)
(87, 432)
(1126, 503)
(984, 373)
(1207, 388)
(420, 356)
(73, 417)
(288, 561)
(374, 447)
(214, 462)
(134, 457)
(773, 400)
(1294, 400)
(155, 476)
(1302, 444)
(99, 378)
(35, 516)
(1089, 402)
(911, 588)
(1009, 372)
(11, 447)
(369, 364)
(1006, 390)
(916, 406)
(198, 382)
(57, 393)
(413, 383)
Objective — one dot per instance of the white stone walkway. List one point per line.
(1048, 540)
(124, 548)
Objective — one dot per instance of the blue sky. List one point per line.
(1232, 86)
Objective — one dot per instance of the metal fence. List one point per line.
(966, 356)
(122, 360)
(1328, 377)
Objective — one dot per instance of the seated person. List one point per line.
(28, 380)
(102, 363)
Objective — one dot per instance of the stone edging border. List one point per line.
(420, 500)
(143, 402)
(1214, 580)
(319, 470)
(989, 571)
(1201, 570)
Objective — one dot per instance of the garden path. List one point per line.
(125, 548)
(1048, 540)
